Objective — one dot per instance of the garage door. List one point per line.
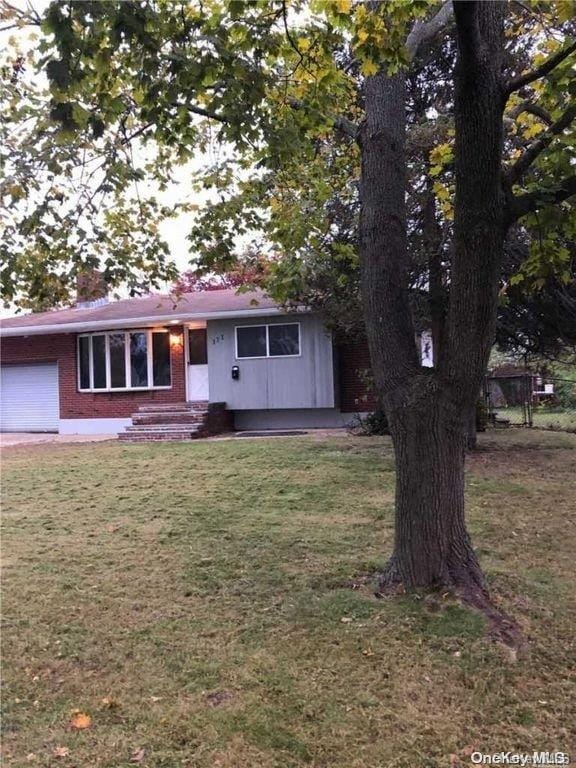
(29, 398)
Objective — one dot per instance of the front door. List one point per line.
(197, 364)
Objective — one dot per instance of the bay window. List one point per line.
(123, 360)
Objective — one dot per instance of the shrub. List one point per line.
(374, 423)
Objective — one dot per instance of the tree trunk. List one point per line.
(472, 434)
(429, 409)
(432, 548)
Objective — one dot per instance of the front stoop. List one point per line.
(178, 421)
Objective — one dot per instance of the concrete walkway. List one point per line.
(8, 439)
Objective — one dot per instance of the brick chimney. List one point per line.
(91, 289)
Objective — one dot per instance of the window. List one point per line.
(122, 360)
(279, 340)
(139, 359)
(197, 346)
(283, 340)
(117, 342)
(99, 362)
(251, 342)
(161, 360)
(84, 343)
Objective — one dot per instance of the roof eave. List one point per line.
(140, 322)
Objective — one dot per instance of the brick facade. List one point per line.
(354, 373)
(61, 348)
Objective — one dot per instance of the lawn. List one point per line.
(208, 604)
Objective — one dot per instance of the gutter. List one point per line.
(137, 322)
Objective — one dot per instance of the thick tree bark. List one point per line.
(472, 432)
(429, 410)
(432, 548)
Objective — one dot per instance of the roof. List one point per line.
(146, 311)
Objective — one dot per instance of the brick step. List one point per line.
(164, 427)
(145, 437)
(170, 407)
(169, 417)
(177, 421)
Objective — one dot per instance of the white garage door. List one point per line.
(29, 398)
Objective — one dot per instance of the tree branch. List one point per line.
(515, 172)
(138, 132)
(532, 201)
(342, 124)
(422, 31)
(541, 71)
(202, 112)
(533, 109)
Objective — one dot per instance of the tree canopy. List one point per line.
(259, 103)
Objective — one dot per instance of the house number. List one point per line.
(217, 339)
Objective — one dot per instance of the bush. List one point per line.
(374, 423)
(565, 391)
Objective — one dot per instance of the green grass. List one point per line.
(211, 603)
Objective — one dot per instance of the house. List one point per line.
(210, 361)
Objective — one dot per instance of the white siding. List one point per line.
(29, 398)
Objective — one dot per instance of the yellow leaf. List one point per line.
(110, 703)
(566, 9)
(17, 191)
(442, 192)
(80, 721)
(303, 44)
(343, 6)
(369, 68)
(362, 35)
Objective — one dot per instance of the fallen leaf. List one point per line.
(454, 761)
(137, 755)
(80, 720)
(346, 620)
(60, 752)
(110, 703)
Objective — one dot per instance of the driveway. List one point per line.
(8, 439)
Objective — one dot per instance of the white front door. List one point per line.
(197, 365)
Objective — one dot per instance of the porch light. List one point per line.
(176, 340)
